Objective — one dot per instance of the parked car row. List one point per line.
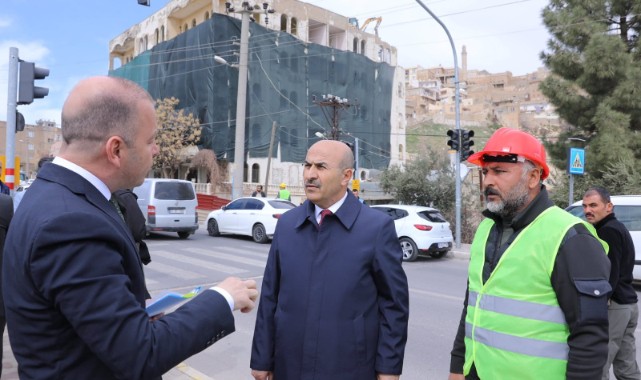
(421, 230)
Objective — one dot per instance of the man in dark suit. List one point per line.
(73, 283)
(334, 301)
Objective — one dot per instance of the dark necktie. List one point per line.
(114, 202)
(323, 214)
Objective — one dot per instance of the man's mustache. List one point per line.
(491, 191)
(312, 183)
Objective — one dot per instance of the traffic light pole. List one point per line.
(457, 100)
(12, 95)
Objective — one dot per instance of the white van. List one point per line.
(627, 209)
(168, 205)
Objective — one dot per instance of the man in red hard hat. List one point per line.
(536, 301)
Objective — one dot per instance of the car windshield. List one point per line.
(432, 216)
(283, 205)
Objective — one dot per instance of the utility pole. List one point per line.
(457, 203)
(239, 142)
(241, 100)
(269, 155)
(332, 115)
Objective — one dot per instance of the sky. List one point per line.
(71, 37)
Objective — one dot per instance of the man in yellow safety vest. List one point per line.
(536, 302)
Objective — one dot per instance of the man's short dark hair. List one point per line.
(602, 191)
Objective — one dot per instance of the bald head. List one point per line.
(339, 151)
(100, 107)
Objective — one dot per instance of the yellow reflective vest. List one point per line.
(514, 327)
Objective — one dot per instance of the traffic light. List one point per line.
(466, 144)
(454, 141)
(26, 89)
(19, 122)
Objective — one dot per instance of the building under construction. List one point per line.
(297, 54)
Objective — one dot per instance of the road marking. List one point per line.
(434, 294)
(171, 270)
(226, 256)
(198, 262)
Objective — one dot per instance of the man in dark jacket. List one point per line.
(623, 313)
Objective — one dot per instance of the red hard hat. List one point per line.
(508, 141)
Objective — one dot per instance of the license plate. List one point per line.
(443, 245)
(176, 210)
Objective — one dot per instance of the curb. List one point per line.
(184, 372)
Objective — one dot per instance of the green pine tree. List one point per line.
(595, 59)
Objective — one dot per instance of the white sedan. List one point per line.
(420, 230)
(249, 216)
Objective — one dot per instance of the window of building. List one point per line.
(283, 23)
(185, 27)
(157, 34)
(294, 29)
(363, 47)
(162, 33)
(207, 15)
(193, 23)
(255, 173)
(355, 45)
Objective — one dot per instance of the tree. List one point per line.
(595, 58)
(206, 159)
(176, 131)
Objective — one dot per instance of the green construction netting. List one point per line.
(284, 75)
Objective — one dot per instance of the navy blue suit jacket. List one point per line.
(75, 293)
(334, 301)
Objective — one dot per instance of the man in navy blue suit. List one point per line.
(334, 301)
(73, 283)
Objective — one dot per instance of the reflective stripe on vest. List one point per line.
(525, 346)
(516, 308)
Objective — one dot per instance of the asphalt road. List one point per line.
(436, 293)
(437, 288)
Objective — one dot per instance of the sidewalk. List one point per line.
(10, 368)
(460, 253)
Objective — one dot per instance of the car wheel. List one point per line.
(438, 254)
(183, 235)
(410, 250)
(259, 234)
(212, 228)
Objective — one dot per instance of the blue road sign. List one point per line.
(576, 161)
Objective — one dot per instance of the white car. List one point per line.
(627, 209)
(421, 230)
(249, 216)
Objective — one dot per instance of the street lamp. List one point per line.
(458, 126)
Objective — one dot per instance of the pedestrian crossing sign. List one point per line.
(576, 162)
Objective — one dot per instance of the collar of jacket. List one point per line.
(346, 214)
(604, 221)
(81, 187)
(539, 203)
